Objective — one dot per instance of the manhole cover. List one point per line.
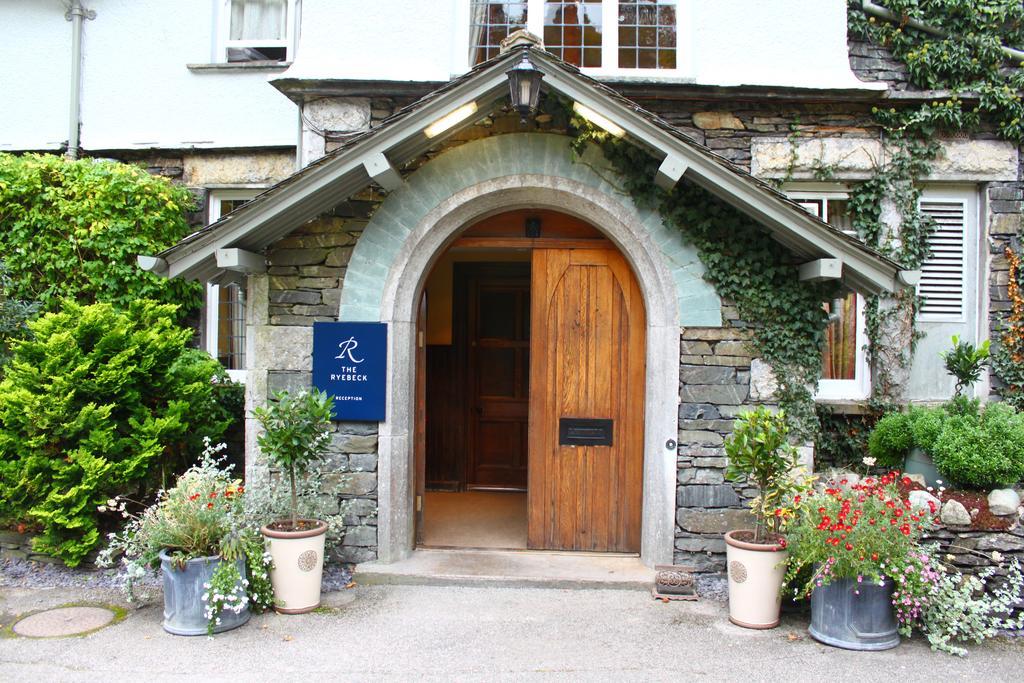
(63, 621)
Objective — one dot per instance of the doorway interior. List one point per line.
(475, 401)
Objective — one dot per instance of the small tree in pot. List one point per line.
(296, 434)
(759, 451)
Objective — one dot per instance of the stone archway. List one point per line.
(417, 223)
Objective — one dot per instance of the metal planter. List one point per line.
(854, 616)
(183, 597)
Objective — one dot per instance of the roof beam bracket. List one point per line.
(670, 172)
(382, 172)
(241, 261)
(822, 269)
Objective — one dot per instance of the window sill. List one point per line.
(849, 406)
(240, 66)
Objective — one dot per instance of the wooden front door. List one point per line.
(588, 342)
(499, 362)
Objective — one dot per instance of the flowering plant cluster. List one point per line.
(202, 515)
(949, 607)
(863, 530)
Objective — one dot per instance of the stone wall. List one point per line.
(1004, 203)
(715, 386)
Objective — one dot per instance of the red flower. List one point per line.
(213, 494)
(905, 529)
(209, 506)
(874, 557)
(849, 547)
(194, 496)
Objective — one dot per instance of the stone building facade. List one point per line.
(787, 135)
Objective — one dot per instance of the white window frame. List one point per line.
(859, 387)
(212, 294)
(609, 41)
(223, 42)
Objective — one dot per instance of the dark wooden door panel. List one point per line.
(588, 339)
(498, 344)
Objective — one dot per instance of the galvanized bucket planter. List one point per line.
(919, 462)
(183, 597)
(854, 616)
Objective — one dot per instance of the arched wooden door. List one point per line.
(586, 402)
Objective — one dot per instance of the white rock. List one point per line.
(1003, 502)
(920, 500)
(763, 383)
(955, 514)
(917, 479)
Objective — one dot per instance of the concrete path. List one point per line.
(473, 633)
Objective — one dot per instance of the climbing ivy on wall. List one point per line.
(744, 264)
(962, 60)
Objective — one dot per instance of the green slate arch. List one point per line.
(525, 155)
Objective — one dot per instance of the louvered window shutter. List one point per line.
(942, 275)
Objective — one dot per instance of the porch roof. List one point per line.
(374, 156)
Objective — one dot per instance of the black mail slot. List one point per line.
(583, 431)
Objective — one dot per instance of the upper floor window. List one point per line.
(609, 36)
(257, 30)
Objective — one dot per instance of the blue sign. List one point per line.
(350, 364)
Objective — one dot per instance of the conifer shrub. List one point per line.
(99, 403)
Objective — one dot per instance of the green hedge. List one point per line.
(100, 402)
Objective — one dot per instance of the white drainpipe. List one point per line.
(883, 13)
(75, 14)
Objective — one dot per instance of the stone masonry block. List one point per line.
(718, 394)
(715, 496)
(297, 257)
(703, 374)
(365, 536)
(364, 462)
(705, 438)
(695, 348)
(713, 521)
(294, 297)
(698, 411)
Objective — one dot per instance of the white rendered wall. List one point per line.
(35, 49)
(792, 43)
(795, 43)
(137, 91)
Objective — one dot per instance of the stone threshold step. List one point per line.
(512, 569)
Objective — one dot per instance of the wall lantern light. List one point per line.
(524, 86)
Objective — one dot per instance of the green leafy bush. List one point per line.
(72, 230)
(925, 425)
(296, 433)
(14, 313)
(890, 440)
(759, 451)
(982, 451)
(99, 403)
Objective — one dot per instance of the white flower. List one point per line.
(869, 461)
(997, 556)
(112, 502)
(101, 508)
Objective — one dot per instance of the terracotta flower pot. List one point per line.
(298, 566)
(756, 571)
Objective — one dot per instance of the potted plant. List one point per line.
(296, 432)
(846, 541)
(759, 450)
(213, 564)
(906, 439)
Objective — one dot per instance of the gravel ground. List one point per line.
(25, 574)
